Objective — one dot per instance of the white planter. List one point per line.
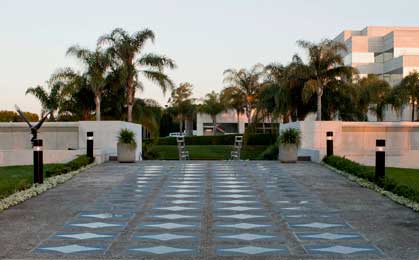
(126, 152)
(288, 153)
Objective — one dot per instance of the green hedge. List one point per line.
(73, 165)
(252, 139)
(365, 172)
(270, 153)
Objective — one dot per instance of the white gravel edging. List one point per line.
(372, 186)
(36, 189)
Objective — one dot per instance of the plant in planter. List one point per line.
(288, 142)
(127, 146)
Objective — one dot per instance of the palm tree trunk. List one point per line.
(181, 125)
(97, 103)
(238, 121)
(130, 99)
(413, 111)
(214, 122)
(319, 105)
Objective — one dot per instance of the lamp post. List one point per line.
(329, 143)
(38, 163)
(380, 158)
(89, 145)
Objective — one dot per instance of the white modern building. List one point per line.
(387, 51)
(228, 123)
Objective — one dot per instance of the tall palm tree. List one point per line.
(182, 102)
(247, 83)
(408, 92)
(125, 50)
(97, 65)
(51, 101)
(148, 113)
(212, 106)
(325, 67)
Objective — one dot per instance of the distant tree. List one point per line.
(124, 49)
(407, 93)
(247, 85)
(373, 96)
(325, 68)
(50, 101)
(97, 64)
(233, 98)
(183, 103)
(12, 116)
(148, 113)
(212, 106)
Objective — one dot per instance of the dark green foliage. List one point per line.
(73, 165)
(252, 139)
(392, 182)
(126, 137)
(149, 153)
(290, 136)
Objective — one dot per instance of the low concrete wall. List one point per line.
(63, 140)
(356, 140)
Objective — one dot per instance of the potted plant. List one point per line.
(288, 142)
(127, 146)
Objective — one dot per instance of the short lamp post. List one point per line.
(38, 162)
(89, 145)
(380, 158)
(329, 143)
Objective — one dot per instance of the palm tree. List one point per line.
(148, 113)
(212, 106)
(124, 49)
(233, 98)
(182, 102)
(50, 102)
(374, 95)
(97, 65)
(247, 84)
(325, 67)
(408, 91)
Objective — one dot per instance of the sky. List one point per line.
(203, 37)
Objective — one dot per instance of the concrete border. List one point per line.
(37, 189)
(369, 185)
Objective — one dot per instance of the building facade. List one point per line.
(388, 52)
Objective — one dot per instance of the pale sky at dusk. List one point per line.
(203, 37)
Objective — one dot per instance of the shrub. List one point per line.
(290, 136)
(365, 172)
(73, 165)
(127, 136)
(149, 153)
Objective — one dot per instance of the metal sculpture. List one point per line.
(34, 128)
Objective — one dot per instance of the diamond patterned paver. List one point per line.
(247, 236)
(239, 208)
(343, 250)
(237, 201)
(83, 236)
(97, 225)
(170, 225)
(161, 250)
(164, 237)
(252, 250)
(317, 225)
(244, 225)
(328, 236)
(176, 208)
(242, 216)
(68, 249)
(174, 216)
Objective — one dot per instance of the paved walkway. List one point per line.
(197, 209)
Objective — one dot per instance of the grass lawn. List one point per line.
(207, 152)
(408, 177)
(15, 178)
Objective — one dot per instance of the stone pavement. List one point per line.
(201, 210)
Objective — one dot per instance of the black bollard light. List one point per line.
(329, 143)
(38, 162)
(380, 158)
(89, 145)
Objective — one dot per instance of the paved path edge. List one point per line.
(372, 186)
(37, 189)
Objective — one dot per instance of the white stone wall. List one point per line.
(356, 140)
(62, 140)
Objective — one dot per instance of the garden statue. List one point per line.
(35, 128)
